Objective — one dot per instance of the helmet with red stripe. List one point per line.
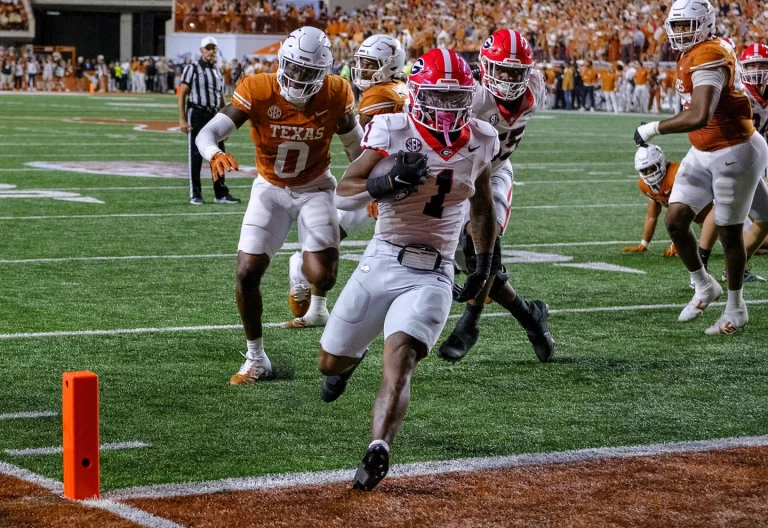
(441, 89)
(754, 65)
(506, 61)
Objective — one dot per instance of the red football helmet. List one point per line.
(506, 62)
(441, 89)
(754, 65)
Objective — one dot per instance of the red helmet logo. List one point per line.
(506, 61)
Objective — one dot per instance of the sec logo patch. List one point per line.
(274, 112)
(494, 119)
(413, 145)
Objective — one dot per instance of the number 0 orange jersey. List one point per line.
(293, 146)
(662, 194)
(386, 98)
(731, 123)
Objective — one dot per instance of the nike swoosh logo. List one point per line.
(729, 164)
(398, 180)
(321, 113)
(473, 149)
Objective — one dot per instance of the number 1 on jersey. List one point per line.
(434, 207)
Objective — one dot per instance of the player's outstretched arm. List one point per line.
(226, 121)
(704, 101)
(483, 225)
(649, 227)
(351, 193)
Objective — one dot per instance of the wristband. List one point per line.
(483, 264)
(378, 188)
(644, 243)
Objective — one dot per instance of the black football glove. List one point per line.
(476, 280)
(476, 73)
(401, 181)
(639, 141)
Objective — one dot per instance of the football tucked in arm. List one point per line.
(396, 176)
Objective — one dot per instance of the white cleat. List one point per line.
(701, 299)
(253, 370)
(729, 322)
(309, 320)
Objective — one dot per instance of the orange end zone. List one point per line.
(80, 427)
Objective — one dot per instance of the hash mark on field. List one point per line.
(434, 468)
(34, 451)
(209, 328)
(34, 414)
(602, 266)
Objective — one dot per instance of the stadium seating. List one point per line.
(14, 16)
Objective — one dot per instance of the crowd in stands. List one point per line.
(220, 16)
(13, 16)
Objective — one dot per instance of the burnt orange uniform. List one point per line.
(385, 98)
(641, 76)
(662, 194)
(731, 123)
(608, 81)
(293, 146)
(589, 76)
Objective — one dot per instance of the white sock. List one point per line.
(379, 442)
(317, 305)
(700, 278)
(255, 348)
(735, 299)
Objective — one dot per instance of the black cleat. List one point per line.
(461, 340)
(539, 335)
(372, 469)
(227, 199)
(334, 386)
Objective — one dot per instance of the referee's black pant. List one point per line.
(197, 119)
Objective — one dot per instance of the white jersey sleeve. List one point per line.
(377, 136)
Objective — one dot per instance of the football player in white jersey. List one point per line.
(510, 92)
(754, 76)
(404, 282)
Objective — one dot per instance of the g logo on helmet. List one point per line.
(488, 42)
(417, 66)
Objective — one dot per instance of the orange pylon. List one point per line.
(80, 427)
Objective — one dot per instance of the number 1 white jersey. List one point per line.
(433, 215)
(510, 125)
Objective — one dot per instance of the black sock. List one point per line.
(704, 254)
(520, 311)
(472, 313)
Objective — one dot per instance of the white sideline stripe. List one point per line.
(417, 469)
(33, 451)
(34, 414)
(140, 517)
(208, 328)
(131, 513)
(287, 249)
(54, 486)
(602, 266)
(223, 213)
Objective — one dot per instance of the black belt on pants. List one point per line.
(205, 109)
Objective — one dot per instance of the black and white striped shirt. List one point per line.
(206, 84)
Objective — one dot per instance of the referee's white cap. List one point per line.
(207, 41)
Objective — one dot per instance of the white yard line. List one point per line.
(287, 249)
(33, 414)
(35, 451)
(131, 513)
(417, 469)
(210, 328)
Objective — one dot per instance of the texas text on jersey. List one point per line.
(510, 121)
(292, 143)
(433, 215)
(731, 123)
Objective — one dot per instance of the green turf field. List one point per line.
(620, 377)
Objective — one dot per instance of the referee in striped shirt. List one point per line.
(203, 84)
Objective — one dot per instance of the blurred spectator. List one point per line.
(13, 16)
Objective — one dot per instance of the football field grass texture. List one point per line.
(136, 285)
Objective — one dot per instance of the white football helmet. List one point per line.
(304, 59)
(378, 60)
(651, 165)
(690, 22)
